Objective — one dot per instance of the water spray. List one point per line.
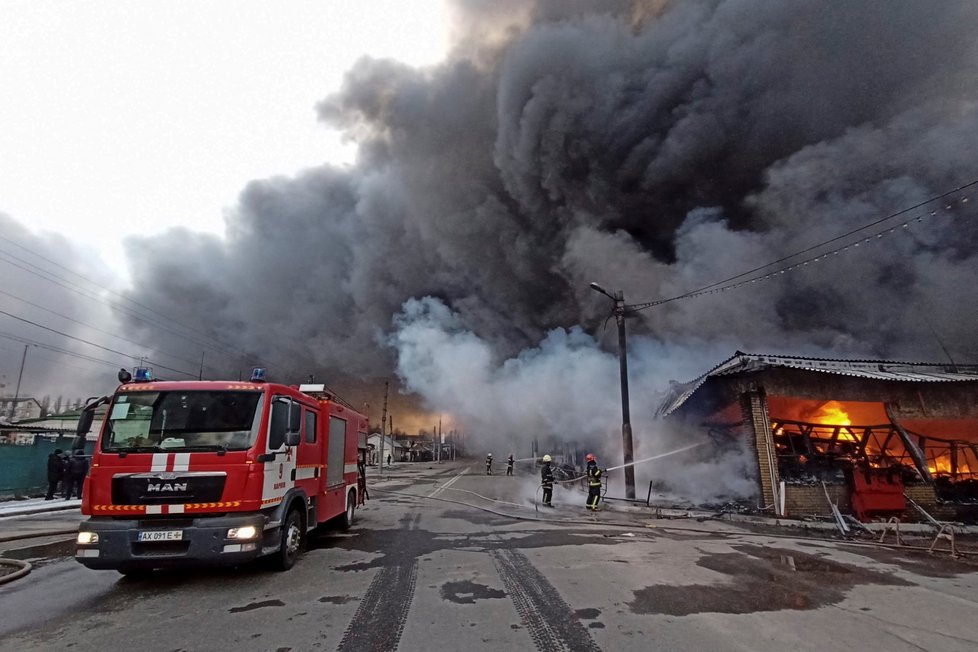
(655, 457)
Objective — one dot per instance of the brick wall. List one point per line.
(809, 500)
(758, 428)
(923, 495)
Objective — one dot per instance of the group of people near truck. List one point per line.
(592, 473)
(66, 473)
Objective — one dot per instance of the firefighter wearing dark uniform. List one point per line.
(593, 483)
(547, 481)
(489, 464)
(509, 464)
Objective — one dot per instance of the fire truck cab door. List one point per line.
(310, 470)
(280, 470)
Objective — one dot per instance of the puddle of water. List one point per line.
(466, 592)
(760, 579)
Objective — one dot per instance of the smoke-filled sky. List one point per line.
(654, 147)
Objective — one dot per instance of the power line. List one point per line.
(57, 349)
(95, 328)
(74, 287)
(98, 346)
(720, 286)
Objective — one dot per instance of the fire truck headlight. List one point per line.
(87, 538)
(246, 532)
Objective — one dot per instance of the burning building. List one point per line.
(868, 435)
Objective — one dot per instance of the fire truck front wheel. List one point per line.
(290, 541)
(346, 520)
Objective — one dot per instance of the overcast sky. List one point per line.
(122, 118)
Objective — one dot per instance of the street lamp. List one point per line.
(626, 425)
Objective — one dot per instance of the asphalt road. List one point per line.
(418, 573)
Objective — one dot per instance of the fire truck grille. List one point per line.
(169, 488)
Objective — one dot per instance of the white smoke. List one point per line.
(565, 389)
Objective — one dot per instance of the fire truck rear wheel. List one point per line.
(351, 507)
(291, 541)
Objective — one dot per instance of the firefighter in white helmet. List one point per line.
(547, 481)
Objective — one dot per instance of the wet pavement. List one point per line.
(419, 573)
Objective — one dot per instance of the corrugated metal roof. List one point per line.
(928, 372)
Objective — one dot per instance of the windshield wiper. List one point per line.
(122, 451)
(221, 449)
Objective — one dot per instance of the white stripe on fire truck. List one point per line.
(154, 509)
(175, 509)
(181, 462)
(305, 472)
(159, 462)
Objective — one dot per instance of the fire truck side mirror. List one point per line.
(292, 438)
(84, 424)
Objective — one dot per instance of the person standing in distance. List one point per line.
(593, 483)
(77, 470)
(56, 472)
(509, 464)
(547, 481)
(489, 464)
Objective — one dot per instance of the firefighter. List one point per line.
(489, 464)
(593, 483)
(547, 481)
(509, 464)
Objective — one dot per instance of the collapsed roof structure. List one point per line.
(864, 434)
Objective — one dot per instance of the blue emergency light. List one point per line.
(142, 374)
(258, 375)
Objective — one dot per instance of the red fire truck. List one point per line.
(216, 473)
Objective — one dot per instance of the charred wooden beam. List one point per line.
(916, 454)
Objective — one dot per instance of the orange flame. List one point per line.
(831, 413)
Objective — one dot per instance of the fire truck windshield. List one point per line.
(182, 421)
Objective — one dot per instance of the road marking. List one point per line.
(441, 488)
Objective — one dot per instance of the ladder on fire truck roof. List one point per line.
(321, 391)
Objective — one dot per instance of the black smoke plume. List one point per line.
(654, 147)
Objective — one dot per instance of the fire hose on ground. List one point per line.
(617, 524)
(23, 568)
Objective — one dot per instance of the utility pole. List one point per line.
(626, 422)
(200, 376)
(13, 404)
(383, 422)
(439, 439)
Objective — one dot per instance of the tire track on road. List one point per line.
(379, 621)
(551, 622)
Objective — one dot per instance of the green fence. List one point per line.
(24, 469)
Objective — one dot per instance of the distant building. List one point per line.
(391, 447)
(24, 431)
(24, 408)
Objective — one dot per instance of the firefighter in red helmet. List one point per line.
(593, 483)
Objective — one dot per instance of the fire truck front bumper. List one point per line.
(129, 544)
